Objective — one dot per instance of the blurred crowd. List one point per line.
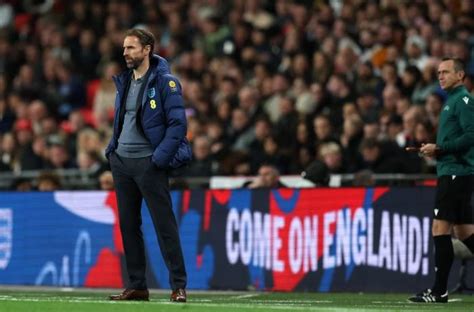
(313, 87)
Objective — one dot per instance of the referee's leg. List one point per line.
(464, 227)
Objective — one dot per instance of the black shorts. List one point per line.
(453, 199)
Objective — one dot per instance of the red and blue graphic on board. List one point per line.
(352, 239)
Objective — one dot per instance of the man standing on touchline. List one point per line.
(454, 151)
(148, 139)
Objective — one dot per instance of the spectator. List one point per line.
(390, 95)
(285, 127)
(303, 135)
(268, 177)
(280, 86)
(87, 56)
(350, 141)
(48, 126)
(402, 105)
(6, 116)
(36, 158)
(424, 133)
(380, 158)
(104, 100)
(320, 99)
(8, 152)
(37, 112)
(108, 54)
(91, 163)
(340, 92)
(366, 81)
(73, 126)
(410, 118)
(236, 163)
(262, 132)
(89, 140)
(305, 103)
(433, 106)
(71, 90)
(24, 137)
(224, 110)
(329, 161)
(394, 128)
(410, 79)
(303, 153)
(22, 185)
(426, 86)
(215, 133)
(202, 164)
(415, 50)
(241, 132)
(372, 130)
(389, 75)
(214, 32)
(249, 102)
(106, 181)
(48, 181)
(227, 89)
(367, 107)
(323, 129)
(25, 82)
(58, 156)
(272, 154)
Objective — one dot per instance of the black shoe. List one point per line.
(427, 296)
(132, 294)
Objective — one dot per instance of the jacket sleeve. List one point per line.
(176, 125)
(466, 120)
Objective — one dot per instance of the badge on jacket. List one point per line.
(151, 93)
(172, 85)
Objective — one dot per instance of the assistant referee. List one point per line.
(454, 152)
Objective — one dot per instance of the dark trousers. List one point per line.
(136, 179)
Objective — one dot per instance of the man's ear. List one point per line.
(147, 49)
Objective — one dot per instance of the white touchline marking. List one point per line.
(245, 296)
(303, 302)
(270, 304)
(99, 299)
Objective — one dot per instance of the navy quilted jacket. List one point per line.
(162, 117)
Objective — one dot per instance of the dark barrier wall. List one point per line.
(310, 239)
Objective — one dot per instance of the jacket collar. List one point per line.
(456, 89)
(158, 66)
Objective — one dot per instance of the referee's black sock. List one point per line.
(469, 242)
(444, 256)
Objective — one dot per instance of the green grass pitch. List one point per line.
(53, 300)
